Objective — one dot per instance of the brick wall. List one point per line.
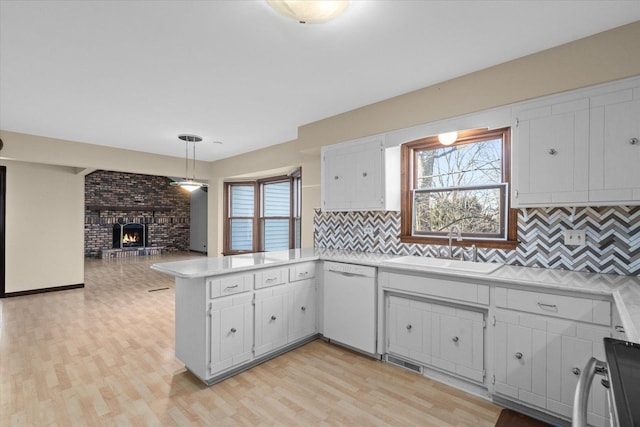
(116, 197)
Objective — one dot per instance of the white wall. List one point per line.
(44, 226)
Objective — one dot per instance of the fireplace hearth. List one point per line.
(132, 235)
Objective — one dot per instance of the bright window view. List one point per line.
(262, 215)
(463, 185)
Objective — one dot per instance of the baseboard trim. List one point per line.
(43, 290)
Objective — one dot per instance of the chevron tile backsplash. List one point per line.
(612, 238)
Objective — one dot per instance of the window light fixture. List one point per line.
(309, 11)
(448, 138)
(189, 184)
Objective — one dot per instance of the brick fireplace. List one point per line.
(143, 211)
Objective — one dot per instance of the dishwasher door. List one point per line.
(350, 301)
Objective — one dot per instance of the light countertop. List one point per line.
(625, 290)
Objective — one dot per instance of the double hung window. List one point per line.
(461, 187)
(262, 215)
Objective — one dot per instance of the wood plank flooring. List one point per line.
(104, 356)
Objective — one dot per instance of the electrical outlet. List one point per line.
(574, 237)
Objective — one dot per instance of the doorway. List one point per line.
(3, 199)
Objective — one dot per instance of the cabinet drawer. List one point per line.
(306, 270)
(229, 285)
(566, 307)
(270, 277)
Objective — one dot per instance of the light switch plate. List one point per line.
(574, 237)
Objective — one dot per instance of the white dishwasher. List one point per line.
(350, 302)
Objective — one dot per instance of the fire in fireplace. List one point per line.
(132, 235)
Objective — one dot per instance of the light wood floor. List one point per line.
(103, 355)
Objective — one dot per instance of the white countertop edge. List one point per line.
(624, 290)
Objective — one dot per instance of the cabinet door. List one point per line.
(303, 317)
(270, 319)
(551, 154)
(567, 354)
(409, 328)
(231, 326)
(520, 357)
(614, 153)
(368, 185)
(458, 341)
(338, 180)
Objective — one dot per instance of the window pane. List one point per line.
(241, 234)
(242, 200)
(460, 165)
(276, 234)
(277, 199)
(476, 211)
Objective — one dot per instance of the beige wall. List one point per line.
(607, 56)
(604, 57)
(44, 233)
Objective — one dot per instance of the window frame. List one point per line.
(294, 180)
(408, 153)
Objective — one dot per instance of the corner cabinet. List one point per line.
(360, 175)
(578, 148)
(541, 342)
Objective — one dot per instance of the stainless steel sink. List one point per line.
(447, 264)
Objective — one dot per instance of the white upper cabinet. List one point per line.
(615, 146)
(360, 175)
(578, 148)
(551, 148)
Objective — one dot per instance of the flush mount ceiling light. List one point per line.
(448, 138)
(190, 184)
(309, 11)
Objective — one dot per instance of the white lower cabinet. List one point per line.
(303, 312)
(231, 326)
(445, 337)
(537, 360)
(271, 319)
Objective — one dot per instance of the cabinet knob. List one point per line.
(518, 355)
(303, 308)
(273, 317)
(634, 141)
(455, 339)
(408, 327)
(233, 330)
(575, 371)
(553, 151)
(364, 174)
(336, 177)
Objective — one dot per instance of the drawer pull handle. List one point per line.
(549, 306)
(303, 273)
(303, 308)
(455, 339)
(518, 355)
(233, 330)
(273, 317)
(231, 287)
(619, 328)
(409, 327)
(576, 371)
(271, 279)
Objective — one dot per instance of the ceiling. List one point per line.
(135, 74)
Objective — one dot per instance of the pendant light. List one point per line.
(190, 184)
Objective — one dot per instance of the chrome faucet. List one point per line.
(454, 229)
